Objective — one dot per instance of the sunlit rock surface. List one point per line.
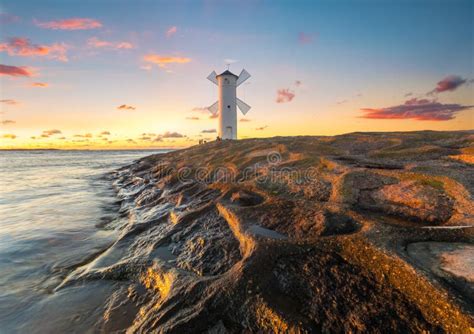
(360, 232)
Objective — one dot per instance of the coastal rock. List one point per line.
(246, 198)
(352, 233)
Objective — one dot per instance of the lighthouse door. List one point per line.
(228, 132)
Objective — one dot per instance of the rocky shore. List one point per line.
(364, 232)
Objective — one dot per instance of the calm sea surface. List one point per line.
(53, 205)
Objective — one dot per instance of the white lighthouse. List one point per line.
(228, 102)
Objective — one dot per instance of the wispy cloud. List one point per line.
(151, 134)
(245, 120)
(284, 95)
(15, 71)
(192, 118)
(146, 67)
(21, 46)
(450, 83)
(171, 31)
(148, 136)
(8, 121)
(86, 135)
(97, 43)
(201, 109)
(159, 138)
(417, 109)
(230, 61)
(9, 136)
(9, 101)
(305, 38)
(6, 18)
(126, 107)
(48, 133)
(209, 131)
(162, 61)
(347, 100)
(39, 84)
(104, 133)
(169, 134)
(262, 128)
(75, 23)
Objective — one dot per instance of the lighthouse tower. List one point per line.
(226, 106)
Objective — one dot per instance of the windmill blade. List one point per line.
(213, 109)
(212, 77)
(244, 75)
(244, 107)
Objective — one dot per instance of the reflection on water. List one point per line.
(53, 206)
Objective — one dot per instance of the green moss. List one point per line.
(423, 179)
(432, 183)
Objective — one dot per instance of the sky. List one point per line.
(113, 74)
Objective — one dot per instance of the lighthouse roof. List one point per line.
(227, 72)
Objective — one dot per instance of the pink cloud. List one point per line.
(171, 31)
(417, 109)
(20, 46)
(304, 38)
(95, 42)
(16, 71)
(450, 83)
(284, 95)
(124, 45)
(71, 24)
(245, 120)
(162, 61)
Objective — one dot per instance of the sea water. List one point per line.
(54, 205)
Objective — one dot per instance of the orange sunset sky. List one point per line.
(132, 74)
